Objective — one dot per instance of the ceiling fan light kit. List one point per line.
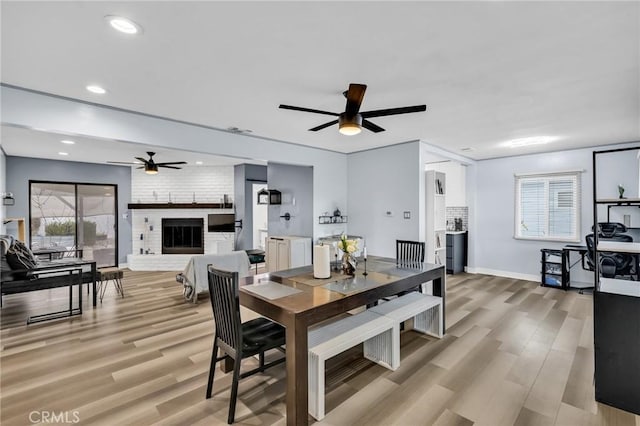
(350, 125)
(351, 121)
(151, 167)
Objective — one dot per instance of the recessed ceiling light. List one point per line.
(67, 142)
(63, 153)
(534, 140)
(199, 163)
(124, 25)
(96, 89)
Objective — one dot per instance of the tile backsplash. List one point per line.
(457, 213)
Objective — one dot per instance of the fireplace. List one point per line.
(182, 236)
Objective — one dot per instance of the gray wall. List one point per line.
(492, 247)
(296, 185)
(381, 180)
(244, 177)
(19, 170)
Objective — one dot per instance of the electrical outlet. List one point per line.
(407, 215)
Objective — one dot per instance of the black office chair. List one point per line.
(612, 264)
(238, 340)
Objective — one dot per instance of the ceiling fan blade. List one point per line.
(323, 126)
(170, 163)
(370, 126)
(168, 167)
(141, 159)
(316, 111)
(354, 95)
(120, 162)
(393, 111)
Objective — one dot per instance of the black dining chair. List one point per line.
(409, 252)
(238, 340)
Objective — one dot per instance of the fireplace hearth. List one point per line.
(182, 236)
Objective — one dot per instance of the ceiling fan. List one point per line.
(151, 167)
(351, 121)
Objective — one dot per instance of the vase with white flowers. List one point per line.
(348, 247)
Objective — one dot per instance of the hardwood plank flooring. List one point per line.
(515, 354)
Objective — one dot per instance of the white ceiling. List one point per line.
(488, 71)
(32, 143)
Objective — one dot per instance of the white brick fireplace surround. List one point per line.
(205, 184)
(152, 258)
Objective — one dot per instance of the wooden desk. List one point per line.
(314, 302)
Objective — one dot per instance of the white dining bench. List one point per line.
(426, 311)
(378, 333)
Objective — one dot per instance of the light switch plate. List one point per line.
(407, 215)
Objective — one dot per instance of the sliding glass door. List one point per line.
(74, 216)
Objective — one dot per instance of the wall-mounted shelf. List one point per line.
(148, 206)
(326, 220)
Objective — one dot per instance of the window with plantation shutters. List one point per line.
(547, 206)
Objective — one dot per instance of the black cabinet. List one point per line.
(616, 302)
(617, 350)
(553, 267)
(456, 252)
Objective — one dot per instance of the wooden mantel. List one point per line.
(148, 206)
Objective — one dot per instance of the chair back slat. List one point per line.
(225, 302)
(409, 252)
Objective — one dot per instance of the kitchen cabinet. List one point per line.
(287, 252)
(456, 252)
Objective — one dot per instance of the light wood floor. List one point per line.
(514, 354)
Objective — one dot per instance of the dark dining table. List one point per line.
(297, 300)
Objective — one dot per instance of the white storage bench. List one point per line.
(378, 333)
(425, 309)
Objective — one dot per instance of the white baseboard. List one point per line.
(123, 265)
(505, 274)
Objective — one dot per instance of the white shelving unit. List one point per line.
(435, 208)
